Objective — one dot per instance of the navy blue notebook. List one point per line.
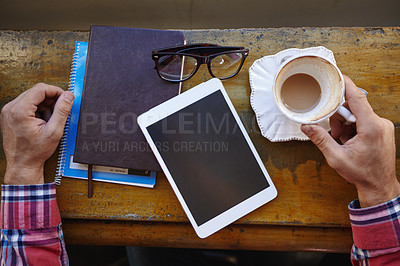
(66, 167)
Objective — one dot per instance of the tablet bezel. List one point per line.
(176, 104)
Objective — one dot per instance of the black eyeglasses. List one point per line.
(180, 63)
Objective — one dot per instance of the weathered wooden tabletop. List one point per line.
(310, 212)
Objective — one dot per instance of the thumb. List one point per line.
(56, 123)
(321, 138)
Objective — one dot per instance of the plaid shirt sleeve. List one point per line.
(31, 232)
(376, 233)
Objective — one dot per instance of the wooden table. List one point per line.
(310, 212)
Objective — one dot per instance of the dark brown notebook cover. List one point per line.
(120, 84)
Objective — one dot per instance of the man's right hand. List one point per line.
(367, 156)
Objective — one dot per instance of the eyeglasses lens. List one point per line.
(170, 67)
(226, 65)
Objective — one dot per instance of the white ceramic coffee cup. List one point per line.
(330, 80)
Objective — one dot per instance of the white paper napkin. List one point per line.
(273, 124)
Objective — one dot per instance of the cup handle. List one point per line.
(343, 111)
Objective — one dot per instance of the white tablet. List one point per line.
(207, 156)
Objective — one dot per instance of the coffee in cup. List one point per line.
(309, 89)
(300, 92)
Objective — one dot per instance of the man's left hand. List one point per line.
(32, 125)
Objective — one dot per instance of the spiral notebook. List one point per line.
(66, 167)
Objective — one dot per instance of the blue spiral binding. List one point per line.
(64, 139)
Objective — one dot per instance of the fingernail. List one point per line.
(307, 129)
(69, 96)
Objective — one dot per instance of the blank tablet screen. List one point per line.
(208, 157)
